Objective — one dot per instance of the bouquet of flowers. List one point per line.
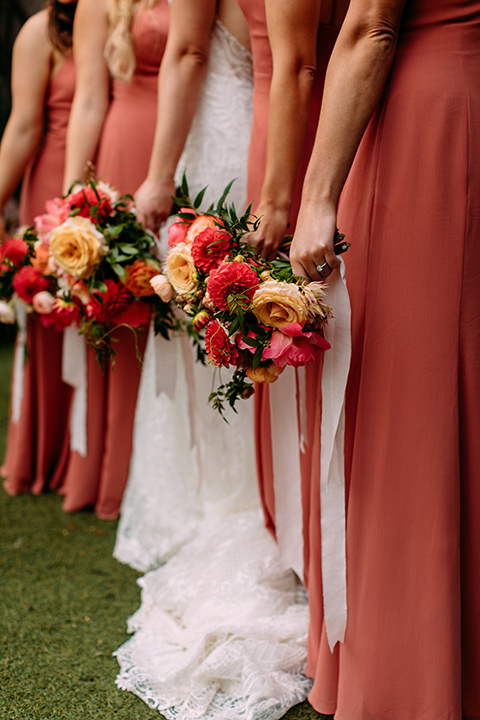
(87, 261)
(251, 314)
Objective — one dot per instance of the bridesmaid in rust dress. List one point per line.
(33, 144)
(126, 41)
(275, 176)
(400, 117)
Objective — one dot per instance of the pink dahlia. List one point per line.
(220, 351)
(232, 281)
(27, 282)
(209, 248)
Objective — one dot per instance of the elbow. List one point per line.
(378, 33)
(294, 74)
(195, 56)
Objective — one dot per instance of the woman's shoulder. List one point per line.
(33, 36)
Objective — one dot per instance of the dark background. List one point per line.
(13, 14)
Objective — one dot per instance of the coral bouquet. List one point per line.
(86, 261)
(249, 314)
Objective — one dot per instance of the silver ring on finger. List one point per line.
(321, 267)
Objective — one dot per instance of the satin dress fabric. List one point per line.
(411, 208)
(37, 444)
(99, 478)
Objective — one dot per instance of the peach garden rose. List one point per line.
(77, 246)
(181, 269)
(279, 303)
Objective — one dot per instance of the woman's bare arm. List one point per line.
(358, 69)
(180, 80)
(292, 31)
(31, 66)
(91, 100)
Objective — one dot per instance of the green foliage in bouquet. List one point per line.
(226, 288)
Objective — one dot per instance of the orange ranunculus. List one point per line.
(265, 373)
(138, 278)
(41, 257)
(199, 225)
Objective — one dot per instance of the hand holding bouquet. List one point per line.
(87, 261)
(256, 315)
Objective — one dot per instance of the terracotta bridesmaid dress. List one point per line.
(262, 70)
(99, 478)
(37, 446)
(411, 207)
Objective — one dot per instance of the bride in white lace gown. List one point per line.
(221, 632)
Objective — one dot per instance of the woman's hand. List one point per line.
(153, 201)
(312, 253)
(271, 231)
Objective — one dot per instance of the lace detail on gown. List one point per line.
(163, 480)
(221, 631)
(217, 147)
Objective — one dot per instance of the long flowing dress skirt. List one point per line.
(38, 439)
(411, 208)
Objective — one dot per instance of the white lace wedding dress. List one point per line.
(221, 631)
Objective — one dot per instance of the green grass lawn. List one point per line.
(64, 603)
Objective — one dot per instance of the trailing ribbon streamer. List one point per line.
(19, 361)
(332, 476)
(166, 358)
(74, 373)
(286, 470)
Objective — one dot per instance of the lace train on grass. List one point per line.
(221, 632)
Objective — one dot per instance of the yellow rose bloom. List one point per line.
(279, 303)
(77, 246)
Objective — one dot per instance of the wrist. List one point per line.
(161, 180)
(274, 205)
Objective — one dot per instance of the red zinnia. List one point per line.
(103, 306)
(14, 250)
(221, 352)
(209, 248)
(232, 281)
(27, 282)
(86, 199)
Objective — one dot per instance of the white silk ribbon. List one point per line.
(332, 476)
(18, 370)
(166, 358)
(74, 373)
(286, 471)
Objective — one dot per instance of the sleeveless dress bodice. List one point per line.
(254, 12)
(43, 176)
(149, 35)
(127, 135)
